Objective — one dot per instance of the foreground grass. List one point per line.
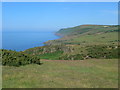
(63, 74)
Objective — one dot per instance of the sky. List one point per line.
(60, 0)
(52, 16)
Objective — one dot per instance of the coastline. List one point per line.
(56, 34)
(60, 35)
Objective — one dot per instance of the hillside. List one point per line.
(87, 34)
(81, 42)
(87, 29)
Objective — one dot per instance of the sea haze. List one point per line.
(21, 41)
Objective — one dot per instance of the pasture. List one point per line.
(63, 74)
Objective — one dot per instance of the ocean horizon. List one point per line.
(20, 41)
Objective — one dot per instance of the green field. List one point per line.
(105, 38)
(63, 74)
(109, 38)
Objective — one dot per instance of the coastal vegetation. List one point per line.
(81, 42)
(77, 43)
(13, 58)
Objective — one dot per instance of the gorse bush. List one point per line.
(96, 51)
(13, 58)
(108, 52)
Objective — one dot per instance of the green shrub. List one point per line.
(103, 52)
(13, 58)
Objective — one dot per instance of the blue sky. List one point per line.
(52, 16)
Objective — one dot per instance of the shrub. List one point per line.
(103, 52)
(13, 58)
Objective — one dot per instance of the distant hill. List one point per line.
(87, 34)
(89, 29)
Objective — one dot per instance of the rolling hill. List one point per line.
(81, 42)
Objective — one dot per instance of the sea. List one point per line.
(20, 41)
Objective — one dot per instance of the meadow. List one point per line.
(91, 73)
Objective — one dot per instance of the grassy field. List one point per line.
(87, 35)
(63, 74)
(110, 38)
(51, 56)
(104, 38)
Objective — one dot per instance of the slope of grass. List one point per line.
(63, 74)
(51, 56)
(91, 29)
(76, 40)
(88, 39)
(103, 38)
(95, 34)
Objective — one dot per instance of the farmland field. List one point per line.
(91, 73)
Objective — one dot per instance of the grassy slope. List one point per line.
(110, 38)
(106, 38)
(91, 29)
(51, 56)
(63, 74)
(93, 34)
(79, 38)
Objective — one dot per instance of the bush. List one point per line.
(103, 52)
(13, 58)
